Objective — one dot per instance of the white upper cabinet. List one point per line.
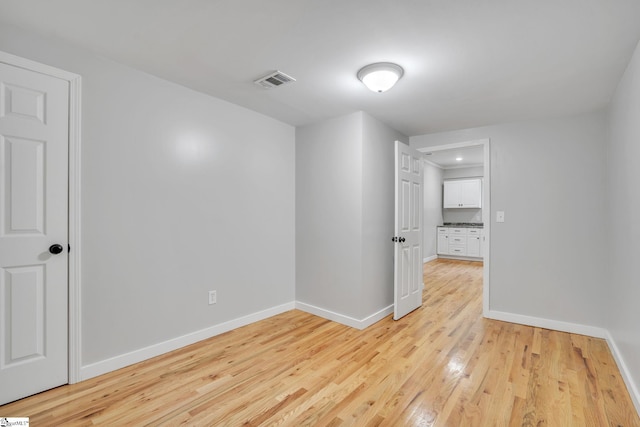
(463, 193)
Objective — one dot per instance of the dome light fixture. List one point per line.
(381, 76)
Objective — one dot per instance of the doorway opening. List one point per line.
(469, 159)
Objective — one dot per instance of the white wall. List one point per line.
(469, 172)
(432, 210)
(462, 215)
(548, 176)
(180, 191)
(378, 170)
(622, 314)
(329, 214)
(344, 216)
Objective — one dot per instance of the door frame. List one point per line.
(486, 210)
(73, 278)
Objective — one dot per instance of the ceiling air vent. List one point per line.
(274, 80)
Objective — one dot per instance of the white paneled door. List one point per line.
(408, 283)
(34, 126)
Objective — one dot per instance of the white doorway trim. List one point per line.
(74, 356)
(486, 211)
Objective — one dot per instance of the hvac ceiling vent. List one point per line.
(274, 80)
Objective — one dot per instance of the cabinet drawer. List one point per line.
(457, 250)
(443, 230)
(474, 231)
(457, 240)
(462, 231)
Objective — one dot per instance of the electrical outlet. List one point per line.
(212, 297)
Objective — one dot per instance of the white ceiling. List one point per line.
(467, 62)
(471, 156)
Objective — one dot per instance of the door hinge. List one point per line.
(68, 247)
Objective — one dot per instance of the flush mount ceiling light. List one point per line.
(381, 76)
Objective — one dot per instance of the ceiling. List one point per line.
(446, 159)
(467, 63)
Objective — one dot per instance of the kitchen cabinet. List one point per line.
(443, 241)
(460, 241)
(462, 193)
(474, 242)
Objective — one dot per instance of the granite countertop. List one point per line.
(463, 225)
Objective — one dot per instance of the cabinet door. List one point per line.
(443, 243)
(451, 197)
(473, 246)
(462, 193)
(470, 193)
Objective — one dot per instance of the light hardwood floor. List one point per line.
(441, 365)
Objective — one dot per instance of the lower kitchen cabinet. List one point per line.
(474, 246)
(460, 241)
(443, 241)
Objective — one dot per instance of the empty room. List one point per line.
(322, 213)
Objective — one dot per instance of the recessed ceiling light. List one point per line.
(458, 159)
(381, 76)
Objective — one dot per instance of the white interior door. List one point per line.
(34, 134)
(408, 283)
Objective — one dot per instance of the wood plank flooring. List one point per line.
(441, 365)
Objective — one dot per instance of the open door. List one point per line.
(34, 138)
(407, 239)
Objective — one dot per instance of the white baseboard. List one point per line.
(461, 258)
(117, 362)
(540, 322)
(624, 370)
(429, 258)
(345, 320)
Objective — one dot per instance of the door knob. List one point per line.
(55, 249)
(401, 239)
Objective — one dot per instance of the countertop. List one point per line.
(462, 225)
